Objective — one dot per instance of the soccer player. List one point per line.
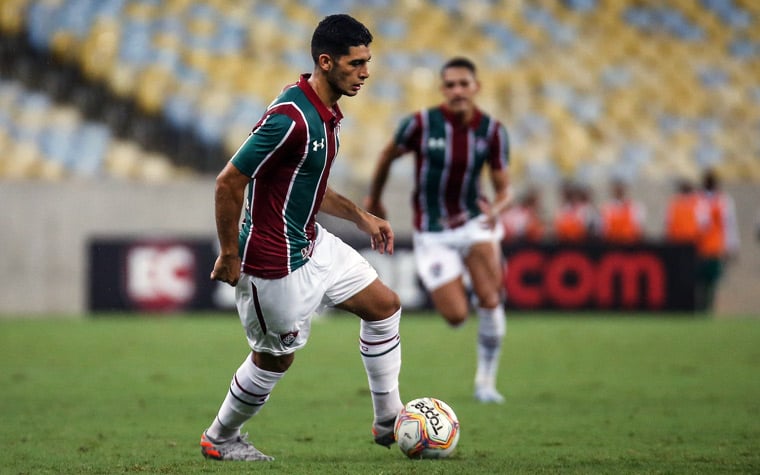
(284, 265)
(455, 226)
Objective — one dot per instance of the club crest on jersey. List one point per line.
(436, 143)
(318, 144)
(288, 338)
(306, 251)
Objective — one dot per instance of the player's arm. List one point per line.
(373, 202)
(228, 203)
(502, 195)
(254, 157)
(378, 229)
(502, 191)
(499, 165)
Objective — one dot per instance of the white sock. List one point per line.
(492, 326)
(380, 347)
(249, 390)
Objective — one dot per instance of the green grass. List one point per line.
(584, 395)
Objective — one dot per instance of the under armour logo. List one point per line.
(434, 142)
(316, 145)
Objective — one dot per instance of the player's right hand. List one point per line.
(227, 269)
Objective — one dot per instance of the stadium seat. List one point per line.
(599, 75)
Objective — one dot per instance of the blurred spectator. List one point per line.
(718, 242)
(576, 219)
(686, 216)
(622, 217)
(522, 221)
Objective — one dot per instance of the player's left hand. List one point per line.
(380, 233)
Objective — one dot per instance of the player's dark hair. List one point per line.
(459, 62)
(335, 34)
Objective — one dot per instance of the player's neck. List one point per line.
(461, 118)
(326, 94)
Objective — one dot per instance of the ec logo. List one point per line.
(160, 277)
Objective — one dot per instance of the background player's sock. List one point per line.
(380, 347)
(248, 392)
(492, 326)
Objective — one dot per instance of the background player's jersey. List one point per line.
(288, 156)
(449, 159)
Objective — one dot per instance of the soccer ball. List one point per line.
(426, 428)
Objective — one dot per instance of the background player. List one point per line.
(455, 231)
(291, 266)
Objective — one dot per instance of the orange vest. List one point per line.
(569, 224)
(685, 218)
(713, 241)
(621, 222)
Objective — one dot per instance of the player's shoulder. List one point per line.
(291, 102)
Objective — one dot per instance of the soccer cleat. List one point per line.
(238, 449)
(488, 395)
(383, 432)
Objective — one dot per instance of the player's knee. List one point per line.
(390, 304)
(274, 363)
(455, 319)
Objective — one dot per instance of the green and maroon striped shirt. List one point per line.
(288, 156)
(448, 162)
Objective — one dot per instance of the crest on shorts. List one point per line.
(288, 338)
(436, 269)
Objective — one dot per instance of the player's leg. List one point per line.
(353, 285)
(380, 347)
(276, 326)
(249, 391)
(450, 300)
(484, 266)
(440, 269)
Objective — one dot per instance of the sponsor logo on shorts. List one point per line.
(289, 338)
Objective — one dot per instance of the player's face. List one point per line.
(459, 87)
(348, 73)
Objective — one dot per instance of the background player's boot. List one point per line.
(234, 449)
(488, 394)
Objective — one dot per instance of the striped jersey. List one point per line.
(288, 156)
(449, 158)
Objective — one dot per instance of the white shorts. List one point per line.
(276, 313)
(439, 255)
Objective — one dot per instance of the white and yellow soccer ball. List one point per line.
(427, 428)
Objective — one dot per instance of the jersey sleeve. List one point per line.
(259, 150)
(406, 132)
(499, 157)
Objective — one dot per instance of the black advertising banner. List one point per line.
(172, 275)
(151, 275)
(644, 277)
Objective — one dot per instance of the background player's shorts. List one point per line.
(439, 255)
(276, 313)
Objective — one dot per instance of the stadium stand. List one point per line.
(649, 89)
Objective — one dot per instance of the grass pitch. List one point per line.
(604, 394)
